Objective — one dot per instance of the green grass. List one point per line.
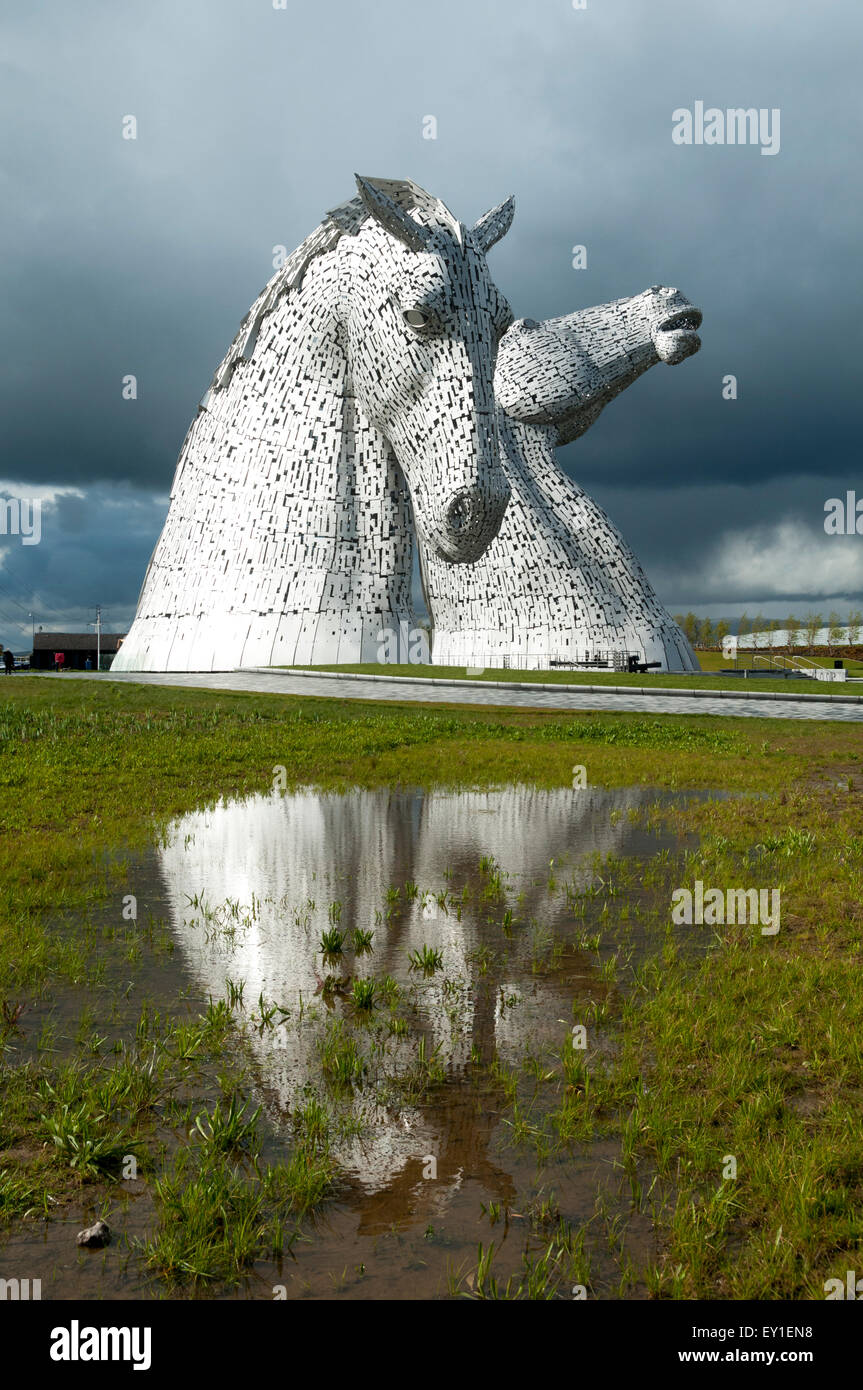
(715, 661)
(22, 1195)
(217, 1217)
(342, 1060)
(427, 960)
(332, 944)
(90, 768)
(363, 994)
(90, 1143)
(709, 679)
(751, 1052)
(550, 1272)
(752, 1049)
(228, 1129)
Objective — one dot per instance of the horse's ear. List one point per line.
(494, 224)
(396, 221)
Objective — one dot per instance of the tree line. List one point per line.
(703, 633)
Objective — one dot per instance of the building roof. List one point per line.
(76, 641)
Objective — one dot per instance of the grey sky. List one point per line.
(142, 256)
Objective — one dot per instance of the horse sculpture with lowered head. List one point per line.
(355, 404)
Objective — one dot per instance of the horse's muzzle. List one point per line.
(676, 337)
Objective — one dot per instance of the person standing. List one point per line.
(8, 661)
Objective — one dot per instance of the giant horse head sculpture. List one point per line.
(559, 583)
(355, 405)
(564, 371)
(423, 320)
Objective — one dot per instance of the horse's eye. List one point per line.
(415, 318)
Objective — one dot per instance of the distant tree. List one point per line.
(835, 632)
(758, 625)
(690, 628)
(772, 631)
(855, 622)
(705, 633)
(744, 626)
(812, 626)
(722, 630)
(792, 631)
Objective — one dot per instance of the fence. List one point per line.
(551, 661)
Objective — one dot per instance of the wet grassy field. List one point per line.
(746, 1048)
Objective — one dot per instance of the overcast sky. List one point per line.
(122, 256)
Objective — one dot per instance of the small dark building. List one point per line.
(76, 648)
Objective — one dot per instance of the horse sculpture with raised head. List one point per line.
(355, 404)
(364, 402)
(559, 581)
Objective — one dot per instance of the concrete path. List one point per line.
(562, 698)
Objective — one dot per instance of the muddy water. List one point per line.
(487, 879)
(296, 866)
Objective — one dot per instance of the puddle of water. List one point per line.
(292, 868)
(249, 889)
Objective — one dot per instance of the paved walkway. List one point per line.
(284, 683)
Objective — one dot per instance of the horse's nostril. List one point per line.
(460, 513)
(469, 523)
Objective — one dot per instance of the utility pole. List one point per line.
(98, 627)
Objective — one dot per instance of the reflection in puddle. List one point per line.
(479, 877)
(513, 889)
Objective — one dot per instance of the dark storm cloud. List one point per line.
(94, 548)
(142, 256)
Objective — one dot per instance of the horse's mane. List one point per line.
(345, 219)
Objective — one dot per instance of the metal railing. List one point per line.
(554, 661)
(781, 663)
(787, 663)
